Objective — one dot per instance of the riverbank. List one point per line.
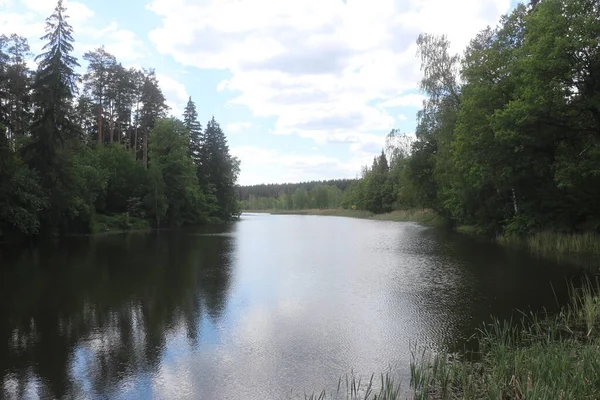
(548, 357)
(426, 217)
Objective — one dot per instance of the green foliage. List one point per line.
(169, 152)
(514, 149)
(538, 358)
(535, 358)
(21, 197)
(220, 170)
(319, 197)
(65, 160)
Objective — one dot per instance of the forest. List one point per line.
(97, 151)
(293, 196)
(507, 140)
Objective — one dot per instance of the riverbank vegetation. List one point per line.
(507, 142)
(556, 356)
(96, 151)
(426, 217)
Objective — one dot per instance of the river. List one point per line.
(269, 307)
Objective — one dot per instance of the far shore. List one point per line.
(426, 217)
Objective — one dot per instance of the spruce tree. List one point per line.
(190, 120)
(54, 133)
(220, 169)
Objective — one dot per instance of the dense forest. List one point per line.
(82, 152)
(508, 136)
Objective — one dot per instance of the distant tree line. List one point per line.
(319, 196)
(275, 189)
(74, 147)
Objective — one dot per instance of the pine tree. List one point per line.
(18, 84)
(97, 80)
(55, 81)
(190, 120)
(154, 107)
(220, 169)
(54, 132)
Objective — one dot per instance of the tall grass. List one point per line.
(555, 357)
(579, 247)
(537, 357)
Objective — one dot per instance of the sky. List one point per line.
(303, 89)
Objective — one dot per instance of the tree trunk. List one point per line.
(100, 138)
(145, 156)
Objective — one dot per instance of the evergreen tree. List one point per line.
(154, 107)
(220, 169)
(54, 133)
(101, 64)
(196, 145)
(16, 86)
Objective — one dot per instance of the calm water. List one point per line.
(257, 309)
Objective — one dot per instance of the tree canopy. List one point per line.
(102, 154)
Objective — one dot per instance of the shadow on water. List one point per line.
(113, 298)
(492, 281)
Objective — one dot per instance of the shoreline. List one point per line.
(578, 249)
(425, 217)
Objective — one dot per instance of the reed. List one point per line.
(536, 357)
(582, 248)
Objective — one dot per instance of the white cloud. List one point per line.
(238, 126)
(122, 43)
(125, 45)
(260, 165)
(78, 12)
(402, 117)
(316, 65)
(408, 100)
(175, 93)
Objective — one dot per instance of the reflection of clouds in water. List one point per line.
(307, 323)
(277, 303)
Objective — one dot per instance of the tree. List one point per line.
(21, 197)
(54, 135)
(186, 203)
(220, 169)
(197, 140)
(16, 84)
(154, 107)
(99, 76)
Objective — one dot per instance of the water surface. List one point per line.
(269, 307)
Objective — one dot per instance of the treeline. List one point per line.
(508, 137)
(73, 148)
(276, 189)
(320, 196)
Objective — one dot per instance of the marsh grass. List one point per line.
(554, 357)
(352, 387)
(582, 248)
(536, 357)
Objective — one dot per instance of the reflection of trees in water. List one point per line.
(109, 301)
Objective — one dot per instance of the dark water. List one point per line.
(257, 309)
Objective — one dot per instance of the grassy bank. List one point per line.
(427, 217)
(580, 248)
(554, 357)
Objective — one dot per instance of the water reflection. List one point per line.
(81, 315)
(251, 310)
